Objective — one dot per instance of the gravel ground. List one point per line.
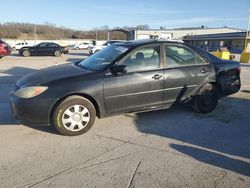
(166, 148)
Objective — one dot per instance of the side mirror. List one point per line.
(118, 69)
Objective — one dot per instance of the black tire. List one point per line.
(207, 99)
(58, 53)
(60, 114)
(77, 48)
(26, 53)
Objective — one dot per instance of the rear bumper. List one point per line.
(230, 86)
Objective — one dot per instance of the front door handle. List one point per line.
(157, 76)
(203, 70)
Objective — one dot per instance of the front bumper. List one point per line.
(33, 111)
(65, 51)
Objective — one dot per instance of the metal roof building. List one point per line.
(234, 41)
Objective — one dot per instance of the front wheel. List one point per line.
(26, 53)
(207, 99)
(74, 116)
(58, 53)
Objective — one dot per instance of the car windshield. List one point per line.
(103, 58)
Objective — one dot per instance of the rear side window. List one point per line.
(52, 45)
(181, 56)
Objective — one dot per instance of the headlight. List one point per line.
(29, 92)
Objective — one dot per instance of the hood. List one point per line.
(50, 74)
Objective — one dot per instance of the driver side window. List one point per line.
(42, 45)
(143, 59)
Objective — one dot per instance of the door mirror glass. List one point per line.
(118, 69)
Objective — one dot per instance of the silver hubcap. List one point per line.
(75, 118)
(58, 53)
(26, 53)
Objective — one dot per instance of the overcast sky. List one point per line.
(89, 14)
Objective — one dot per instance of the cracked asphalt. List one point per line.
(166, 148)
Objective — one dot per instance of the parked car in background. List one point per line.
(83, 45)
(125, 77)
(5, 48)
(97, 48)
(44, 48)
(19, 45)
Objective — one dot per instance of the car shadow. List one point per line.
(225, 130)
(44, 128)
(8, 79)
(215, 159)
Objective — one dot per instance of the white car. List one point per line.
(83, 45)
(97, 48)
(19, 45)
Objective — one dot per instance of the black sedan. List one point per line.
(125, 77)
(44, 48)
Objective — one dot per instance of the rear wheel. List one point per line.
(58, 53)
(207, 99)
(26, 53)
(74, 116)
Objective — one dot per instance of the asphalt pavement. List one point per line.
(167, 148)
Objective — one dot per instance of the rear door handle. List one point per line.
(157, 76)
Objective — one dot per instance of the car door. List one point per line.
(51, 48)
(40, 49)
(141, 87)
(185, 72)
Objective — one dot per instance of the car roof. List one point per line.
(134, 43)
(47, 42)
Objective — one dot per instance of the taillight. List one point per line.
(238, 69)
